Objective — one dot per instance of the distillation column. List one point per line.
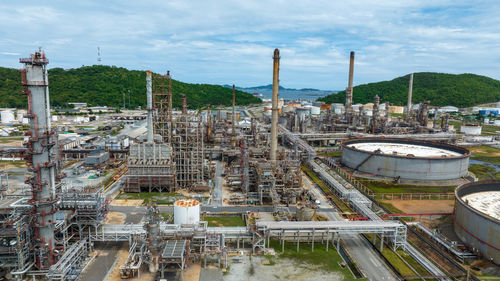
(41, 157)
(274, 116)
(149, 93)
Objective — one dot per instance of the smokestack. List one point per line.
(410, 91)
(184, 104)
(169, 96)
(274, 116)
(233, 131)
(149, 95)
(349, 90)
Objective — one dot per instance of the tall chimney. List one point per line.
(274, 116)
(349, 90)
(410, 92)
(169, 96)
(233, 131)
(149, 95)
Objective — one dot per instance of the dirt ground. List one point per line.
(127, 202)
(115, 218)
(423, 206)
(192, 272)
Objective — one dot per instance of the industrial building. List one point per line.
(476, 217)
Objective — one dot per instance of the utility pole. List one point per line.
(123, 100)
(128, 99)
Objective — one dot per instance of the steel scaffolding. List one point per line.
(151, 168)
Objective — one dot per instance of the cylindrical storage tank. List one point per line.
(6, 116)
(288, 109)
(477, 217)
(471, 130)
(315, 110)
(186, 211)
(486, 121)
(496, 122)
(408, 159)
(302, 112)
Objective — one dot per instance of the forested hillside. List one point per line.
(440, 89)
(105, 85)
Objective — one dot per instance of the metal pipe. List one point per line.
(149, 94)
(274, 116)
(410, 92)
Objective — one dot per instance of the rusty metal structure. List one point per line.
(43, 236)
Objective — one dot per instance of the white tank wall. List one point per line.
(186, 215)
(7, 116)
(471, 130)
(496, 123)
(315, 110)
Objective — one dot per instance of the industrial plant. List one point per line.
(164, 193)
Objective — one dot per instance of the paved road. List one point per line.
(362, 253)
(103, 263)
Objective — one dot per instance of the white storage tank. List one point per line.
(496, 123)
(471, 130)
(486, 121)
(302, 112)
(7, 116)
(315, 110)
(186, 211)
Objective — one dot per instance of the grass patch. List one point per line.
(391, 208)
(331, 154)
(224, 221)
(489, 130)
(160, 198)
(401, 262)
(484, 172)
(412, 262)
(327, 261)
(167, 216)
(389, 187)
(10, 140)
(270, 259)
(16, 163)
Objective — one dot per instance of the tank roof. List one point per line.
(406, 148)
(186, 203)
(487, 202)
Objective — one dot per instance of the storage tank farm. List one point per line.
(477, 217)
(404, 158)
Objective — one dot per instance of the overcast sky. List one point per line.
(226, 42)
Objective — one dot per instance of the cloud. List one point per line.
(223, 42)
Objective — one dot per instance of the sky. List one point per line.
(232, 42)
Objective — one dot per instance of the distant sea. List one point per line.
(288, 94)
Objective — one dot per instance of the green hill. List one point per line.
(105, 85)
(440, 89)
